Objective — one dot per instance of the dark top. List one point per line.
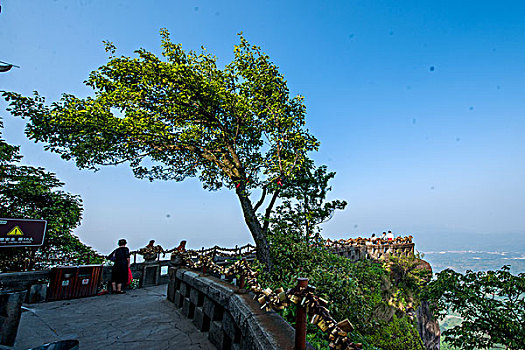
(119, 272)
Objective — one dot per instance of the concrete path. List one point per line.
(140, 319)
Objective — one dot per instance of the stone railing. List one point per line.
(373, 251)
(10, 311)
(232, 320)
(36, 282)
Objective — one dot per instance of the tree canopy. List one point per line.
(304, 206)
(491, 305)
(180, 116)
(28, 192)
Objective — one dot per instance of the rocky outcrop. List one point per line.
(427, 327)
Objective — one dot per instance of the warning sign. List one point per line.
(16, 231)
(21, 232)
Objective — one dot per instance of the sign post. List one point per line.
(22, 233)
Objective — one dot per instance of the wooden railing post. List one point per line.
(300, 319)
(242, 282)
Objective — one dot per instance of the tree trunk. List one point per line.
(258, 234)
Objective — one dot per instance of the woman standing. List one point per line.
(119, 274)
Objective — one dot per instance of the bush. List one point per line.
(353, 289)
(399, 334)
(358, 291)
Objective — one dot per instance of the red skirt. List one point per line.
(130, 276)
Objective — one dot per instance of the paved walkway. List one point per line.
(140, 319)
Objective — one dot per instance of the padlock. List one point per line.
(305, 299)
(315, 319)
(295, 299)
(322, 324)
(345, 325)
(323, 302)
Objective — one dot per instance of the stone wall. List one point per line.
(233, 321)
(373, 251)
(149, 273)
(36, 282)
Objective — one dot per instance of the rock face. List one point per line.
(427, 327)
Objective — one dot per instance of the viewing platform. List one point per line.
(371, 248)
(147, 318)
(140, 319)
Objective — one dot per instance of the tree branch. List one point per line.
(231, 171)
(294, 162)
(127, 159)
(269, 210)
(261, 201)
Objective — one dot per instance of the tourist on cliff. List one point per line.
(120, 272)
(390, 236)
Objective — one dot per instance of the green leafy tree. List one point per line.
(490, 303)
(28, 192)
(304, 204)
(181, 116)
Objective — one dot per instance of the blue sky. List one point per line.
(418, 106)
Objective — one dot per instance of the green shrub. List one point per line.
(353, 289)
(399, 334)
(358, 291)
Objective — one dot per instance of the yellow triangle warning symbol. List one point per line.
(16, 231)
